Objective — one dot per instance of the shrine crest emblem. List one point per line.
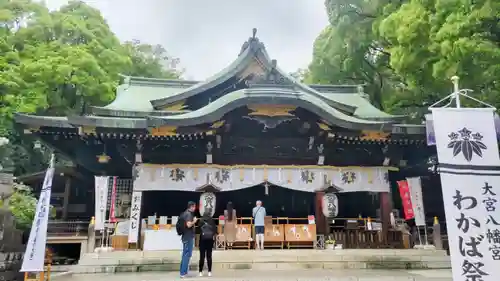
(222, 175)
(386, 177)
(177, 175)
(348, 177)
(466, 143)
(307, 176)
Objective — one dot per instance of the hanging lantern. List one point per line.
(103, 158)
(207, 203)
(330, 205)
(36, 145)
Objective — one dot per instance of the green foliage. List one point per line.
(22, 203)
(150, 61)
(301, 75)
(347, 52)
(57, 62)
(407, 51)
(430, 41)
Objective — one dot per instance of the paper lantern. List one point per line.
(330, 205)
(207, 203)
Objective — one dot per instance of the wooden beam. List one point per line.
(67, 194)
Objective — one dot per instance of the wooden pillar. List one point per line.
(385, 214)
(321, 223)
(67, 194)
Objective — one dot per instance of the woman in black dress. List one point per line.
(207, 237)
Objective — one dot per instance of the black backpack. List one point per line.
(180, 226)
(207, 231)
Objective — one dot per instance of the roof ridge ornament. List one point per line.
(361, 92)
(126, 78)
(253, 43)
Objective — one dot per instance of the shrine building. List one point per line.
(250, 132)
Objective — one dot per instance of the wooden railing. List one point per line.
(67, 228)
(356, 236)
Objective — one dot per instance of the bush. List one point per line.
(22, 203)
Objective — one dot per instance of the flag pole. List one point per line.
(34, 255)
(52, 161)
(456, 90)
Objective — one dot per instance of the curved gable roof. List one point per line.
(216, 110)
(252, 50)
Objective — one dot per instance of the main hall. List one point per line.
(320, 157)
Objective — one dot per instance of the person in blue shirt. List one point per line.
(259, 212)
(187, 237)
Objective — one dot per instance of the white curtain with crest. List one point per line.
(228, 178)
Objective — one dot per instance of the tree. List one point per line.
(151, 61)
(406, 51)
(301, 75)
(430, 42)
(348, 52)
(22, 203)
(56, 63)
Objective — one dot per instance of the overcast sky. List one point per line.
(207, 34)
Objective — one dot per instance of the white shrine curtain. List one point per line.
(228, 178)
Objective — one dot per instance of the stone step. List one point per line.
(278, 275)
(135, 261)
(174, 266)
(274, 253)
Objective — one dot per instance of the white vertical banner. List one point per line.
(34, 256)
(135, 217)
(101, 201)
(415, 186)
(469, 167)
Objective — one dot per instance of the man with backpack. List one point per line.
(186, 229)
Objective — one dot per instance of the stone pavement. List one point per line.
(278, 275)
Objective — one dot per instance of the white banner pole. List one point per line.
(469, 167)
(101, 201)
(135, 217)
(417, 201)
(34, 256)
(419, 236)
(425, 235)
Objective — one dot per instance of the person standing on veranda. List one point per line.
(230, 225)
(207, 237)
(187, 236)
(258, 213)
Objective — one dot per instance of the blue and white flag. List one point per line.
(34, 256)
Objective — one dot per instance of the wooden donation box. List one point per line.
(274, 233)
(243, 236)
(268, 221)
(243, 233)
(300, 232)
(119, 240)
(352, 225)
